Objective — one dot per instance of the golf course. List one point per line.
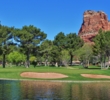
(73, 73)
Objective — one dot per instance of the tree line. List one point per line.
(29, 45)
(101, 48)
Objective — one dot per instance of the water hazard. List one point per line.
(36, 90)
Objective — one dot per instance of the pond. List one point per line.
(44, 90)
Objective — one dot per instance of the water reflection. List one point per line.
(9, 90)
(44, 90)
(91, 91)
(34, 90)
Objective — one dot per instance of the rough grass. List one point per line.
(73, 72)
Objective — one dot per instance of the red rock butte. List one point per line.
(92, 23)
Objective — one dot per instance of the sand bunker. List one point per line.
(42, 75)
(95, 76)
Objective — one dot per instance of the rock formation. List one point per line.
(92, 22)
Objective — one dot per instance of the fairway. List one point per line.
(73, 73)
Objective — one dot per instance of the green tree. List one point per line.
(107, 44)
(65, 57)
(29, 37)
(102, 46)
(16, 57)
(33, 60)
(59, 43)
(5, 41)
(45, 49)
(60, 40)
(73, 43)
(85, 54)
(55, 55)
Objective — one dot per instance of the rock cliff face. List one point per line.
(92, 22)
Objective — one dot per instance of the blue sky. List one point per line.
(51, 16)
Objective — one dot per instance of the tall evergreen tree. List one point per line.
(102, 46)
(29, 38)
(60, 40)
(55, 55)
(59, 43)
(45, 49)
(73, 42)
(5, 41)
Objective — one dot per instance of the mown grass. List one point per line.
(74, 72)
